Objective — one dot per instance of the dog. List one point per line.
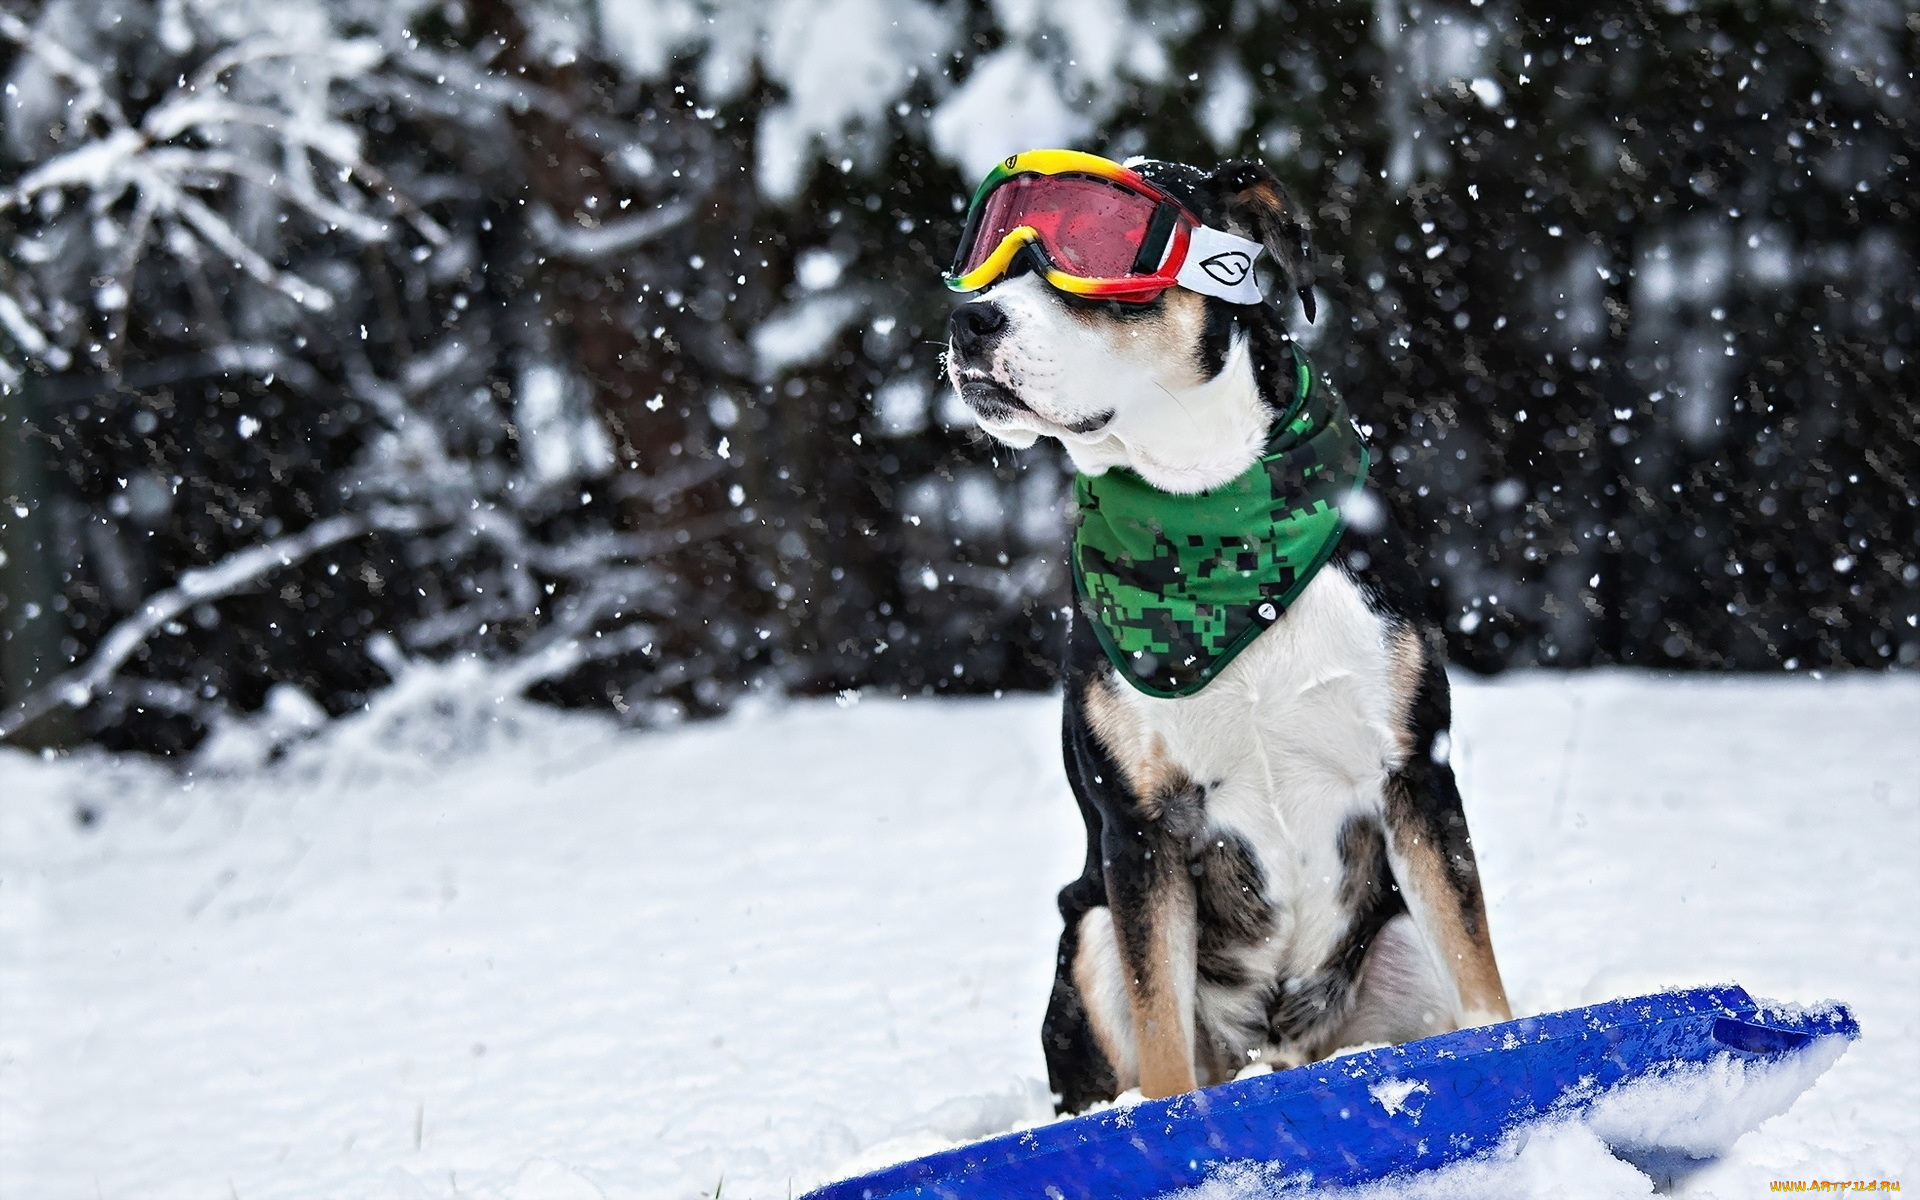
(1277, 864)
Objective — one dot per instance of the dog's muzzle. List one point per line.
(973, 329)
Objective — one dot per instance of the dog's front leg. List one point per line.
(1432, 858)
(1152, 899)
(1434, 864)
(1150, 813)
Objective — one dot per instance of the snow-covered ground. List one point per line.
(465, 946)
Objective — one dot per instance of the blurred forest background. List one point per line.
(600, 337)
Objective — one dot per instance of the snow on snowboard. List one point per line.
(1662, 1080)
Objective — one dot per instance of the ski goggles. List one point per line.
(1099, 230)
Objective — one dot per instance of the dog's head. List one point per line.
(1176, 387)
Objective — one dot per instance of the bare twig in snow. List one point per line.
(78, 687)
(93, 97)
(609, 237)
(562, 658)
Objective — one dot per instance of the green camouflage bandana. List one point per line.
(1176, 586)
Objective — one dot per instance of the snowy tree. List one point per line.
(606, 335)
(277, 330)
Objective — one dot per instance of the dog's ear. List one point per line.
(1260, 207)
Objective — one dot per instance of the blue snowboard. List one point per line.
(1406, 1108)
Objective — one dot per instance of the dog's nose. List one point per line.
(972, 325)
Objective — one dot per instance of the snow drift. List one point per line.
(461, 944)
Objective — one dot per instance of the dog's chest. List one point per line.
(1295, 737)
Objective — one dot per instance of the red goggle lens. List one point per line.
(1088, 227)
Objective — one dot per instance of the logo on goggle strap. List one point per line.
(1228, 266)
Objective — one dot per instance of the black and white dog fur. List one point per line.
(1277, 866)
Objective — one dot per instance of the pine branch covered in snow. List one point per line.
(246, 568)
(168, 182)
(276, 225)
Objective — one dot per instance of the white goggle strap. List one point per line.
(1220, 264)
